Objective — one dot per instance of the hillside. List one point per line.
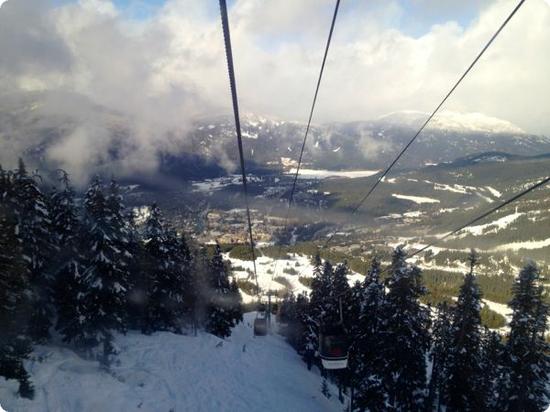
(168, 372)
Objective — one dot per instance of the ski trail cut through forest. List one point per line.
(166, 372)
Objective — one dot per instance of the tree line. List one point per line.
(82, 268)
(407, 356)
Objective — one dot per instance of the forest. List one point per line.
(391, 334)
(77, 270)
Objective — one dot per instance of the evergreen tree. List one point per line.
(320, 308)
(199, 292)
(68, 270)
(528, 364)
(465, 381)
(186, 262)
(220, 318)
(368, 352)
(14, 303)
(340, 294)
(102, 304)
(406, 336)
(165, 294)
(321, 304)
(35, 232)
(441, 348)
(493, 358)
(236, 301)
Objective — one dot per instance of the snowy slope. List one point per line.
(168, 372)
(269, 269)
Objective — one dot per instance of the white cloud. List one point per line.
(96, 70)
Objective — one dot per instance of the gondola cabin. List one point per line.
(260, 325)
(333, 347)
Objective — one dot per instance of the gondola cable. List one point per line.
(430, 117)
(308, 126)
(233, 86)
(483, 215)
(473, 221)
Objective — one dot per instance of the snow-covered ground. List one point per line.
(415, 199)
(168, 372)
(492, 227)
(528, 245)
(268, 269)
(322, 174)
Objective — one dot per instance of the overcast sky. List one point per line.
(161, 64)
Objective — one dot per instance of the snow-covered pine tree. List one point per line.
(14, 284)
(321, 292)
(236, 301)
(465, 390)
(102, 304)
(136, 297)
(117, 218)
(319, 307)
(165, 294)
(38, 249)
(199, 291)
(493, 357)
(368, 350)
(185, 263)
(340, 289)
(406, 336)
(66, 230)
(528, 363)
(219, 319)
(439, 355)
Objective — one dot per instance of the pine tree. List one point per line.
(340, 288)
(199, 292)
(165, 294)
(102, 304)
(219, 319)
(14, 302)
(68, 270)
(236, 301)
(528, 363)
(35, 232)
(368, 352)
(406, 336)
(465, 381)
(441, 347)
(320, 307)
(493, 357)
(139, 279)
(186, 262)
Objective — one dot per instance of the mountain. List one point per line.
(370, 144)
(99, 140)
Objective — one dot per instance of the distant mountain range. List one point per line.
(272, 143)
(209, 149)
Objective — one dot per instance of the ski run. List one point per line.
(170, 372)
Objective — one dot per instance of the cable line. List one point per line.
(290, 198)
(434, 112)
(484, 215)
(295, 180)
(233, 85)
(544, 181)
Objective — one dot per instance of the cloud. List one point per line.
(98, 79)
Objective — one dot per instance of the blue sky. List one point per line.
(417, 17)
(139, 9)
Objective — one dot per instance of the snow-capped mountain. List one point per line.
(371, 144)
(208, 148)
(452, 121)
